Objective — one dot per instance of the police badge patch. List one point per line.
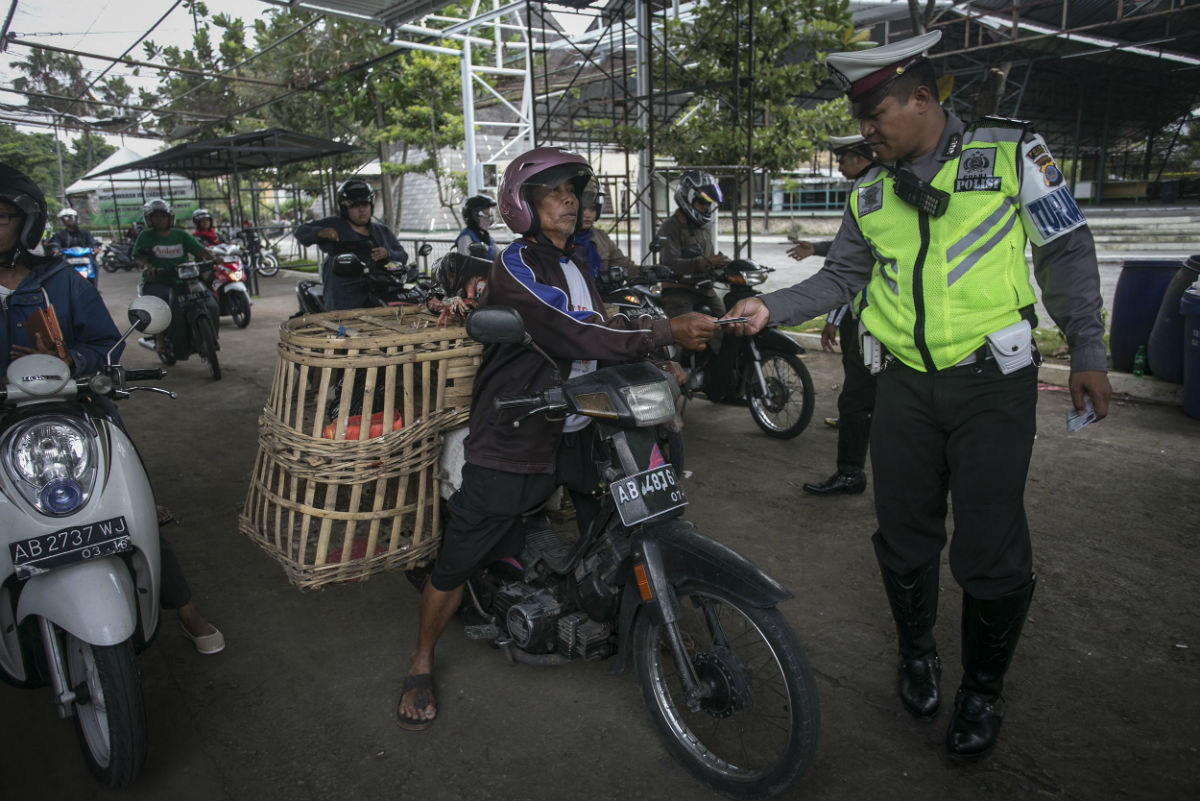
(1047, 208)
(977, 171)
(870, 198)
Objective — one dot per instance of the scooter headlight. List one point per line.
(52, 462)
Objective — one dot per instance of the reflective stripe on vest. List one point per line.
(942, 284)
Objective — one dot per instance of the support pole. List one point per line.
(646, 156)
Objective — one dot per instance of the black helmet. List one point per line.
(473, 206)
(694, 185)
(17, 189)
(156, 204)
(352, 192)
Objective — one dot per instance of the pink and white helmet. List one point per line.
(542, 166)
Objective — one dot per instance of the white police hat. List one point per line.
(866, 75)
(839, 143)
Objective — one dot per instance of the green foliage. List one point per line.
(64, 85)
(784, 63)
(34, 155)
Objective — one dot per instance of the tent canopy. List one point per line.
(230, 155)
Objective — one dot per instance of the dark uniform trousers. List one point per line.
(856, 402)
(967, 431)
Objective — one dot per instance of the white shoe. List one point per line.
(206, 643)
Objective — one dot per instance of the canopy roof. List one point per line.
(230, 155)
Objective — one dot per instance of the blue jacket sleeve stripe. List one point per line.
(553, 297)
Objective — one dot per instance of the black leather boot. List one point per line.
(990, 630)
(913, 598)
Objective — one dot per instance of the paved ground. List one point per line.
(1104, 696)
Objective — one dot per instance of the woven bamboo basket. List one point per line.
(334, 497)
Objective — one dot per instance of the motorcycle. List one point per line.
(228, 284)
(398, 286)
(195, 316)
(722, 673)
(83, 260)
(764, 370)
(79, 573)
(117, 256)
(257, 256)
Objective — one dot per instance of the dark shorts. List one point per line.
(485, 520)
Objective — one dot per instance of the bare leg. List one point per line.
(437, 608)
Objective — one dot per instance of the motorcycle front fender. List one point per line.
(774, 339)
(236, 286)
(95, 600)
(687, 557)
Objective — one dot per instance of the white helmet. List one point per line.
(68, 214)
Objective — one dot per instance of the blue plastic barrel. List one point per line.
(1139, 294)
(1164, 352)
(1169, 191)
(1189, 307)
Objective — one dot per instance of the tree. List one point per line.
(751, 111)
(64, 85)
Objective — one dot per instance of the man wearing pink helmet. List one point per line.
(511, 470)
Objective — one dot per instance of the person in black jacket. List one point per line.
(71, 235)
(509, 470)
(356, 205)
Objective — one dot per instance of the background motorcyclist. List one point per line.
(599, 251)
(477, 217)
(696, 197)
(205, 231)
(158, 251)
(356, 205)
(29, 282)
(508, 470)
(71, 235)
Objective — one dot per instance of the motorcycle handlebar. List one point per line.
(514, 403)
(149, 374)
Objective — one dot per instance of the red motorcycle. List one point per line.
(228, 284)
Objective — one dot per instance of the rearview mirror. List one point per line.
(425, 249)
(657, 244)
(497, 325)
(150, 314)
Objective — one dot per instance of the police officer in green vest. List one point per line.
(932, 254)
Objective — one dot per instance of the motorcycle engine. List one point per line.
(530, 615)
(540, 623)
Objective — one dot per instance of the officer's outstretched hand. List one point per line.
(1094, 384)
(693, 329)
(829, 335)
(755, 311)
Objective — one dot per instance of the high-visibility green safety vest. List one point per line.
(942, 284)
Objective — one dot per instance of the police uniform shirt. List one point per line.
(1065, 269)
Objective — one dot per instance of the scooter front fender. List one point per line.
(235, 286)
(95, 600)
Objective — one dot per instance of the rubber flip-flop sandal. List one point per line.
(423, 684)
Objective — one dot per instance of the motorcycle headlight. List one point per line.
(52, 462)
(650, 404)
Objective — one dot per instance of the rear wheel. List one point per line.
(110, 714)
(787, 406)
(755, 731)
(239, 308)
(206, 345)
(109, 263)
(268, 265)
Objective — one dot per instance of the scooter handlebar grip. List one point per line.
(514, 403)
(149, 374)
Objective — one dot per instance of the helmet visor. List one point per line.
(576, 173)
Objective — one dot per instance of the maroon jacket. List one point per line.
(528, 277)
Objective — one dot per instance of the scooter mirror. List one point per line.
(149, 314)
(425, 249)
(497, 325)
(658, 244)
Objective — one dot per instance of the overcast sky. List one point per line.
(105, 27)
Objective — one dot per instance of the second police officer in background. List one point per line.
(353, 223)
(856, 401)
(932, 251)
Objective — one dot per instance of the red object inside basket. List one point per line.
(354, 425)
(358, 550)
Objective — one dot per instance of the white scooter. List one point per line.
(79, 566)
